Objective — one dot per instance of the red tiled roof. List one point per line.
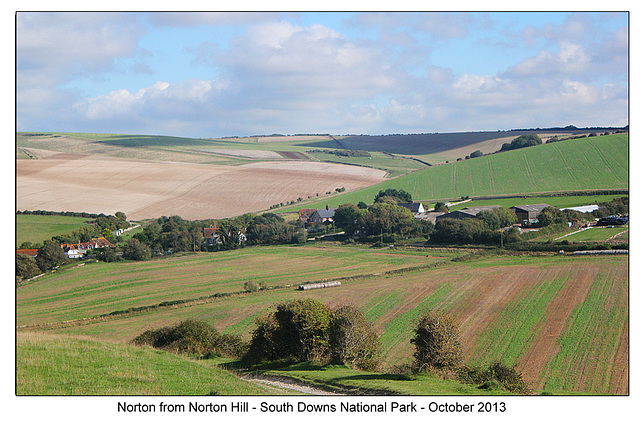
(28, 252)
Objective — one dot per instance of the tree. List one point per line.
(352, 339)
(506, 216)
(437, 342)
(298, 329)
(136, 251)
(26, 267)
(347, 216)
(476, 153)
(390, 218)
(50, 255)
(440, 207)
(400, 196)
(522, 141)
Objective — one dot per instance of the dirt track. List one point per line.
(146, 189)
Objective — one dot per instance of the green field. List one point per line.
(101, 288)
(515, 309)
(38, 228)
(594, 163)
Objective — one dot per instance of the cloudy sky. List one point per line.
(225, 74)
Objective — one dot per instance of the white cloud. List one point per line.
(278, 76)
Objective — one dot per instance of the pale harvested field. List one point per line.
(147, 189)
(250, 154)
(293, 138)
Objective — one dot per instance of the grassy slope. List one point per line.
(582, 164)
(48, 364)
(393, 302)
(101, 288)
(37, 228)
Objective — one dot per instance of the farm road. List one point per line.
(290, 384)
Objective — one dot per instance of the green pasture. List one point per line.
(392, 301)
(595, 234)
(38, 228)
(594, 163)
(48, 364)
(79, 291)
(599, 234)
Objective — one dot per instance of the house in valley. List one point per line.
(79, 250)
(320, 216)
(212, 236)
(415, 208)
(305, 214)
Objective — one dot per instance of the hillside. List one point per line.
(593, 163)
(431, 143)
(48, 364)
(542, 313)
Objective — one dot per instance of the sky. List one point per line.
(218, 74)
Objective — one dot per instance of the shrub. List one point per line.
(352, 339)
(192, 337)
(136, 251)
(298, 330)
(437, 342)
(507, 377)
(250, 286)
(26, 267)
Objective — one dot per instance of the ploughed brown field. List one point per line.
(150, 189)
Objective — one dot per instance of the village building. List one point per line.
(320, 216)
(432, 217)
(527, 213)
(305, 214)
(415, 208)
(211, 236)
(27, 252)
(467, 213)
(79, 250)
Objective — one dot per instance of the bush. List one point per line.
(437, 342)
(352, 339)
(307, 330)
(507, 377)
(250, 286)
(192, 337)
(298, 330)
(136, 251)
(26, 267)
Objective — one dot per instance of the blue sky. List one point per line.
(224, 74)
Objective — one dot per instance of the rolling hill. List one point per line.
(594, 163)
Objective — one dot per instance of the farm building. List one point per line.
(416, 208)
(322, 215)
(528, 212)
(432, 217)
(467, 213)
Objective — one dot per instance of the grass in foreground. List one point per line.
(48, 364)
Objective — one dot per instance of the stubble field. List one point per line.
(150, 189)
